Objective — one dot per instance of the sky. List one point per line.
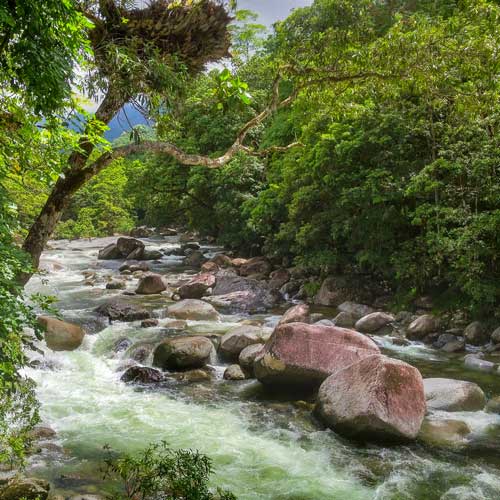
(271, 11)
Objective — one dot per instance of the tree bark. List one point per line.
(73, 179)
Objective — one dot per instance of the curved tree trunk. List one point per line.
(75, 176)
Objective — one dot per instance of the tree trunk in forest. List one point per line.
(75, 176)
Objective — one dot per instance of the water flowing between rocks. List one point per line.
(264, 445)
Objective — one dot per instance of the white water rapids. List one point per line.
(262, 446)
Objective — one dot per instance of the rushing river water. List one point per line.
(263, 445)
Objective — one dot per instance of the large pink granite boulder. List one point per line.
(377, 398)
(305, 355)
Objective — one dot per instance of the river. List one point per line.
(264, 445)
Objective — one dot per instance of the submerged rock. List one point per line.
(116, 285)
(193, 309)
(448, 433)
(296, 314)
(373, 322)
(474, 362)
(238, 338)
(453, 395)
(151, 284)
(374, 398)
(302, 354)
(493, 405)
(142, 375)
(234, 372)
(183, 353)
(60, 335)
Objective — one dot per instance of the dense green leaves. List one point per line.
(163, 473)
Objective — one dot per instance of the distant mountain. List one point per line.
(120, 124)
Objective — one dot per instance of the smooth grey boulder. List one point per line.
(193, 309)
(234, 372)
(453, 395)
(247, 357)
(474, 362)
(422, 326)
(356, 310)
(182, 353)
(373, 322)
(476, 334)
(238, 338)
(109, 252)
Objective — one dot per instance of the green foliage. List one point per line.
(101, 208)
(162, 473)
(39, 43)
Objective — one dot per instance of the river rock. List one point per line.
(183, 353)
(115, 285)
(329, 293)
(234, 372)
(474, 362)
(151, 284)
(192, 376)
(127, 245)
(374, 398)
(301, 354)
(150, 255)
(247, 357)
(453, 395)
(193, 309)
(197, 287)
(373, 322)
(357, 311)
(110, 252)
(209, 267)
(221, 261)
(344, 320)
(238, 293)
(296, 314)
(448, 433)
(60, 335)
(141, 232)
(190, 245)
(142, 375)
(493, 405)
(25, 488)
(256, 265)
(422, 326)
(238, 338)
(139, 266)
(495, 336)
(195, 259)
(476, 333)
(278, 278)
(121, 311)
(455, 345)
(41, 433)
